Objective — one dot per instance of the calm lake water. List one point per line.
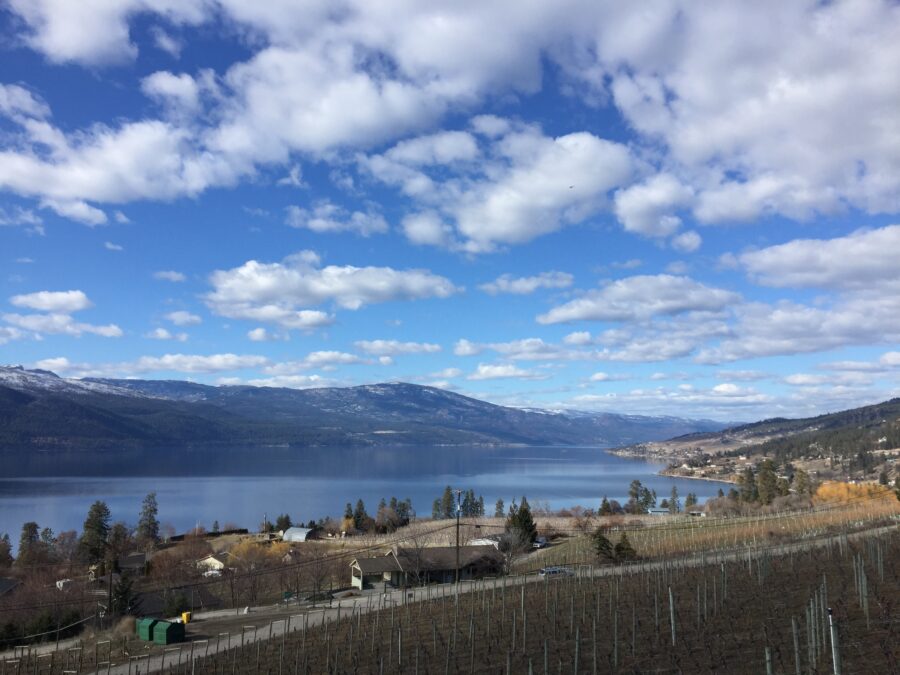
(241, 485)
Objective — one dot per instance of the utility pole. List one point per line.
(458, 510)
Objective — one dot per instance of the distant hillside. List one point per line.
(845, 434)
(40, 409)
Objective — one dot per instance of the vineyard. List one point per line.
(760, 611)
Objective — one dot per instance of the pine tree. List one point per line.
(29, 545)
(766, 482)
(605, 508)
(448, 508)
(480, 508)
(6, 559)
(95, 533)
(283, 522)
(148, 522)
(359, 515)
(436, 513)
(674, 501)
(690, 501)
(747, 481)
(522, 522)
(124, 599)
(215, 526)
(602, 546)
(624, 549)
(499, 509)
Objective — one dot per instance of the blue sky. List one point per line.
(666, 208)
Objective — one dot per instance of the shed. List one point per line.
(296, 534)
(658, 512)
(144, 628)
(367, 572)
(168, 632)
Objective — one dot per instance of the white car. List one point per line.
(549, 572)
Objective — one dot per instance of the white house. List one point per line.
(214, 561)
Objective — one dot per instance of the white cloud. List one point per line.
(183, 318)
(274, 292)
(641, 297)
(465, 347)
(163, 334)
(192, 363)
(166, 42)
(294, 178)
(8, 334)
(506, 283)
(445, 147)
(326, 216)
(74, 209)
(427, 228)
(60, 324)
(16, 101)
(169, 275)
(62, 302)
(648, 208)
(258, 334)
(180, 94)
(19, 216)
(578, 338)
(687, 242)
(110, 246)
(394, 347)
(486, 371)
(862, 260)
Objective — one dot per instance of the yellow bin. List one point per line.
(185, 617)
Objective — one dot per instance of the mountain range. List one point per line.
(41, 410)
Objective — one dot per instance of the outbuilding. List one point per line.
(297, 534)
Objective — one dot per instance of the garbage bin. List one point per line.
(185, 617)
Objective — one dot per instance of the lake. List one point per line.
(242, 485)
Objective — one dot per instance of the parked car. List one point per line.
(549, 572)
(540, 542)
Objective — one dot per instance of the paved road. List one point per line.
(374, 601)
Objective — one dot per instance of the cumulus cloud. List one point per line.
(164, 334)
(64, 302)
(578, 338)
(862, 260)
(180, 363)
(170, 275)
(275, 292)
(465, 347)
(183, 318)
(506, 283)
(487, 371)
(395, 347)
(649, 208)
(110, 246)
(326, 216)
(641, 297)
(60, 324)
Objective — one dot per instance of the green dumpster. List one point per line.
(168, 632)
(144, 628)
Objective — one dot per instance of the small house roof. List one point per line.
(444, 557)
(379, 565)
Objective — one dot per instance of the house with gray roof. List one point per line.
(432, 564)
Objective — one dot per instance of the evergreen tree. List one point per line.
(215, 526)
(359, 515)
(124, 599)
(733, 494)
(6, 559)
(883, 477)
(766, 482)
(283, 522)
(348, 512)
(29, 545)
(448, 508)
(605, 508)
(95, 533)
(624, 549)
(499, 509)
(664, 504)
(690, 501)
(148, 522)
(782, 487)
(602, 546)
(721, 493)
(674, 501)
(522, 522)
(436, 512)
(480, 507)
(467, 504)
(747, 482)
(802, 483)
